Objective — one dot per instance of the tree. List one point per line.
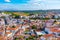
(13, 26)
(16, 39)
(34, 27)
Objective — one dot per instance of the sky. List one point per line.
(29, 4)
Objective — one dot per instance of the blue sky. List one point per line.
(29, 4)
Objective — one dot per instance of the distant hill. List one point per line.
(34, 11)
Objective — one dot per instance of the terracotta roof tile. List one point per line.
(8, 32)
(48, 35)
(3, 37)
(12, 28)
(1, 30)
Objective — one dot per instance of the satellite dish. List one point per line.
(7, 1)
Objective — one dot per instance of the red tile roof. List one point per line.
(48, 35)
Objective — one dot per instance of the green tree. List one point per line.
(13, 26)
(34, 27)
(16, 39)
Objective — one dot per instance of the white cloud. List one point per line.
(7, 1)
(32, 5)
